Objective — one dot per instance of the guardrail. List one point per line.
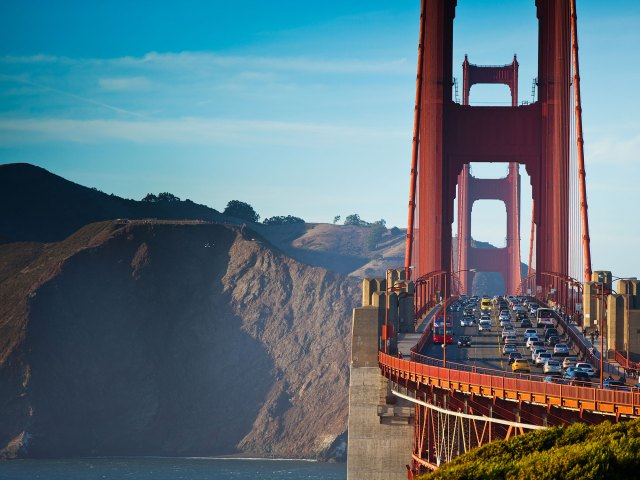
(518, 387)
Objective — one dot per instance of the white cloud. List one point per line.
(188, 131)
(185, 60)
(124, 83)
(614, 150)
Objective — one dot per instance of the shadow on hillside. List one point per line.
(134, 350)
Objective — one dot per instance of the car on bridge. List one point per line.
(486, 306)
(610, 384)
(507, 332)
(513, 356)
(520, 365)
(551, 332)
(560, 349)
(541, 358)
(505, 322)
(509, 348)
(484, 326)
(531, 340)
(526, 323)
(577, 378)
(569, 362)
(530, 332)
(552, 367)
(464, 341)
(587, 368)
(467, 321)
(544, 316)
(535, 351)
(552, 341)
(536, 344)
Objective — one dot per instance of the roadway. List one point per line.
(486, 348)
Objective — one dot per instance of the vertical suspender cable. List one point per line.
(416, 140)
(531, 239)
(586, 248)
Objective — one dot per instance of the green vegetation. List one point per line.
(242, 210)
(378, 229)
(354, 219)
(161, 197)
(281, 220)
(578, 452)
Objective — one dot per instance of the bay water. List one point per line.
(155, 468)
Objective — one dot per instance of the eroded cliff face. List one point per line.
(174, 339)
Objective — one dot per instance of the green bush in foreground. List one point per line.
(578, 452)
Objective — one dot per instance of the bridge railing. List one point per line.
(429, 371)
(566, 292)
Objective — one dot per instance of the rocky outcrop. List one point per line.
(171, 339)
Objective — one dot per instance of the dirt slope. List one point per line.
(171, 339)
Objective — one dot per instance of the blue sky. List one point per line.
(293, 107)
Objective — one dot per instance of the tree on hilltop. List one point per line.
(242, 210)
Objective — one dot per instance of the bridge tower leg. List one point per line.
(470, 189)
(551, 181)
(452, 135)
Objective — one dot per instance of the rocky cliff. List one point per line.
(171, 339)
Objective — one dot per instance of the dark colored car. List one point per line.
(577, 378)
(513, 356)
(550, 332)
(616, 385)
(464, 341)
(526, 323)
(552, 340)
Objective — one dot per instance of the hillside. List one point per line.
(164, 338)
(578, 452)
(39, 206)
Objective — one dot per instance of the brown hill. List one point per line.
(171, 339)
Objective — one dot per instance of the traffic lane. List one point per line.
(484, 351)
(486, 348)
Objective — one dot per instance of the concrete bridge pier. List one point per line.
(381, 426)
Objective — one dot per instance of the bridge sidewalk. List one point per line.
(406, 341)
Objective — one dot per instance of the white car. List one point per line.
(536, 352)
(542, 358)
(569, 362)
(484, 326)
(467, 321)
(531, 339)
(508, 331)
(587, 368)
(510, 339)
(530, 332)
(561, 349)
(552, 366)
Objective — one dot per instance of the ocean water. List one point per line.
(170, 469)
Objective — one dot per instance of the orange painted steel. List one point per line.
(505, 387)
(586, 249)
(416, 141)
